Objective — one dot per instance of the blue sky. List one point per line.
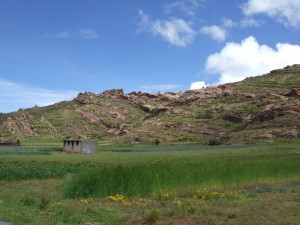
(50, 50)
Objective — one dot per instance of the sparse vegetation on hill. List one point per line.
(258, 108)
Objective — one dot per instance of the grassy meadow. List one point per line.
(242, 184)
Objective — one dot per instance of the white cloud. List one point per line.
(251, 22)
(228, 23)
(218, 33)
(188, 7)
(215, 32)
(177, 32)
(198, 85)
(284, 11)
(237, 61)
(14, 96)
(161, 88)
(88, 34)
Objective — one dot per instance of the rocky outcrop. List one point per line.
(50, 127)
(114, 129)
(156, 112)
(277, 133)
(272, 111)
(143, 95)
(230, 116)
(19, 125)
(141, 105)
(211, 130)
(112, 93)
(190, 128)
(293, 93)
(88, 115)
(85, 98)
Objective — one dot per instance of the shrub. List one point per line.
(214, 141)
(152, 215)
(137, 139)
(157, 142)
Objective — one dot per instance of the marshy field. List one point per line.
(137, 184)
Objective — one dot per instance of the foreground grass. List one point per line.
(224, 185)
(268, 203)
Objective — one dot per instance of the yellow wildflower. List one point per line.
(116, 198)
(86, 200)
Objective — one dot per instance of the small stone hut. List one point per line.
(80, 146)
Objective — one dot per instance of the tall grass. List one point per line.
(41, 170)
(144, 179)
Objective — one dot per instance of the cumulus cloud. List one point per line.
(160, 88)
(284, 11)
(14, 96)
(175, 31)
(198, 85)
(215, 32)
(88, 34)
(237, 61)
(188, 7)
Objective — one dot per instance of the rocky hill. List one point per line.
(258, 108)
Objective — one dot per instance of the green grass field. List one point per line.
(245, 184)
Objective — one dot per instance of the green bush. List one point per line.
(157, 142)
(214, 141)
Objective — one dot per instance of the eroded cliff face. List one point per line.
(264, 107)
(19, 126)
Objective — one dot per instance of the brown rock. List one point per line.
(113, 92)
(267, 135)
(293, 93)
(248, 95)
(210, 130)
(143, 94)
(156, 112)
(232, 117)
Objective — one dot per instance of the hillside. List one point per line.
(258, 108)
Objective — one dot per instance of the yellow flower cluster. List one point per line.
(206, 195)
(166, 195)
(117, 198)
(120, 199)
(126, 202)
(86, 200)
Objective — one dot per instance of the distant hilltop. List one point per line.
(258, 108)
